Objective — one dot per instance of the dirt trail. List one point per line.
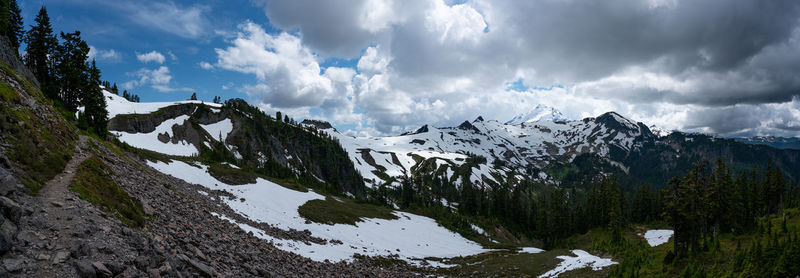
(57, 189)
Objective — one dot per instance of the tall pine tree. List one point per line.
(94, 103)
(14, 30)
(41, 47)
(71, 69)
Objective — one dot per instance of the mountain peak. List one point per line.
(540, 113)
(613, 119)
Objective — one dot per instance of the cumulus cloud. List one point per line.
(105, 55)
(152, 56)
(677, 64)
(159, 79)
(289, 73)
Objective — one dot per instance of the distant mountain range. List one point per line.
(772, 141)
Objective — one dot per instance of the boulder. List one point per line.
(101, 270)
(8, 183)
(5, 243)
(10, 209)
(85, 269)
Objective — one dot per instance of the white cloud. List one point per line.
(289, 72)
(205, 65)
(152, 56)
(159, 79)
(108, 55)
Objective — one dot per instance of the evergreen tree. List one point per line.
(14, 26)
(41, 47)
(194, 96)
(94, 103)
(644, 205)
(718, 197)
(71, 69)
(407, 194)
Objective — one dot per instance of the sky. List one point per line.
(382, 67)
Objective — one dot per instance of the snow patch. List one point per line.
(219, 130)
(530, 250)
(582, 259)
(479, 230)
(658, 237)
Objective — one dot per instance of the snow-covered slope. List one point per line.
(409, 237)
(516, 147)
(539, 113)
(163, 138)
(150, 141)
(117, 105)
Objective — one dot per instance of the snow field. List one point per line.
(410, 236)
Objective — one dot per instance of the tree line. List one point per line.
(701, 205)
(62, 67)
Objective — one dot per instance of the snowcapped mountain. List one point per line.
(658, 131)
(539, 113)
(498, 149)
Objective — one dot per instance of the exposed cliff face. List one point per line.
(12, 59)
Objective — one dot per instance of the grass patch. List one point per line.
(289, 183)
(508, 264)
(334, 210)
(93, 183)
(229, 175)
(38, 153)
(7, 93)
(40, 142)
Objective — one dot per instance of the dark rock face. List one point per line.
(317, 124)
(146, 123)
(12, 59)
(466, 125)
